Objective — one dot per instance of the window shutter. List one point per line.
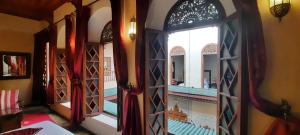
(155, 98)
(232, 105)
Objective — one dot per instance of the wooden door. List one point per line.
(232, 105)
(155, 98)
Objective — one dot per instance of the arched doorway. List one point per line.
(177, 66)
(209, 75)
(209, 69)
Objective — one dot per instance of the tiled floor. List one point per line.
(57, 119)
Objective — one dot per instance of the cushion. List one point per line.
(9, 99)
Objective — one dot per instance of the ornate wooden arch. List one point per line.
(187, 14)
(107, 34)
(177, 50)
(210, 49)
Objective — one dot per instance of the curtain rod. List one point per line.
(74, 12)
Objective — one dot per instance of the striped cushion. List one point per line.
(9, 99)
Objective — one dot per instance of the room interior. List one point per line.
(76, 99)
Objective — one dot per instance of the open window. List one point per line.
(212, 70)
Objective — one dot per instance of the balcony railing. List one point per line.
(109, 76)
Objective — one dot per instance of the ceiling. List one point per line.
(32, 9)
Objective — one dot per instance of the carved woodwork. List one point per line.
(177, 51)
(107, 33)
(193, 13)
(209, 49)
(177, 114)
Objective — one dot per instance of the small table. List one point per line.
(10, 119)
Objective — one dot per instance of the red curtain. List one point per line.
(74, 58)
(52, 65)
(253, 39)
(120, 56)
(39, 90)
(132, 120)
(256, 56)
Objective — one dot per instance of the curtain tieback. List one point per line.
(134, 91)
(76, 81)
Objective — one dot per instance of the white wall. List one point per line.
(193, 41)
(17, 35)
(100, 15)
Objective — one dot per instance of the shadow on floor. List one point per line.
(57, 119)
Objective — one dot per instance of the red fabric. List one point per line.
(9, 99)
(120, 56)
(29, 119)
(253, 39)
(132, 119)
(27, 131)
(256, 56)
(74, 59)
(283, 127)
(52, 65)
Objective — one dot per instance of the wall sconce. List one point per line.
(279, 8)
(132, 29)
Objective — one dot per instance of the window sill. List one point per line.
(107, 119)
(66, 104)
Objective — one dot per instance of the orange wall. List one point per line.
(16, 34)
(283, 66)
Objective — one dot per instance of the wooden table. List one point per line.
(10, 120)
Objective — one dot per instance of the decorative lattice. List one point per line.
(190, 13)
(107, 34)
(230, 87)
(61, 78)
(92, 79)
(156, 88)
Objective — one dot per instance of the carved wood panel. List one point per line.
(61, 89)
(156, 83)
(230, 95)
(93, 77)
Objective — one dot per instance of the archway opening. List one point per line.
(193, 25)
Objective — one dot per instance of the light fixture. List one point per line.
(132, 28)
(279, 8)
